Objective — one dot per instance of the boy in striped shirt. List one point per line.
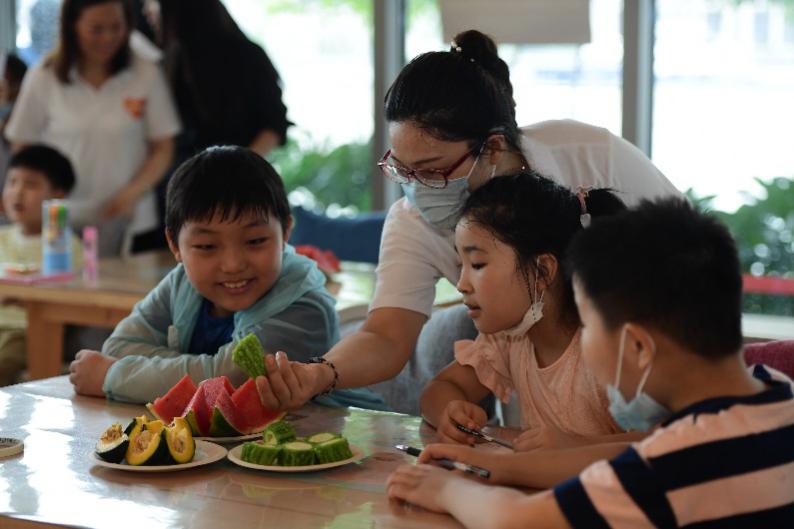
(659, 291)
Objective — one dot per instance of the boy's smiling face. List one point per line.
(231, 263)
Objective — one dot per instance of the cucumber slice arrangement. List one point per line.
(279, 432)
(260, 453)
(280, 447)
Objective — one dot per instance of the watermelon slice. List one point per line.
(225, 420)
(173, 403)
(251, 415)
(197, 413)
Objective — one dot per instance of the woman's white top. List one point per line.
(414, 255)
(103, 131)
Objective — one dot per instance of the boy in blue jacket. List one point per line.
(227, 223)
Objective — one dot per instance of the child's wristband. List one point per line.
(322, 360)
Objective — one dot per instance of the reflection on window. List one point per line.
(323, 52)
(721, 128)
(549, 81)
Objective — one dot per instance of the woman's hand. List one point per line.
(288, 385)
(460, 412)
(87, 372)
(420, 485)
(122, 204)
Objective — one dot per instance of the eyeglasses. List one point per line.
(435, 178)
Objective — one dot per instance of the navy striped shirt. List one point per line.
(724, 462)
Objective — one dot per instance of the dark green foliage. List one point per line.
(764, 233)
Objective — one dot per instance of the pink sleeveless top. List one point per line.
(565, 394)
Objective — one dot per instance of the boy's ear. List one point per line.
(173, 246)
(640, 344)
(287, 230)
(58, 193)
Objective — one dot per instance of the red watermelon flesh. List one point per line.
(198, 412)
(173, 403)
(252, 417)
(214, 387)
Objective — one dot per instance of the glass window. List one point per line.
(323, 52)
(722, 115)
(37, 28)
(581, 82)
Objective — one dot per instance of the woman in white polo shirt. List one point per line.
(452, 127)
(106, 109)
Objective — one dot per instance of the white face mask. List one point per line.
(531, 316)
(640, 413)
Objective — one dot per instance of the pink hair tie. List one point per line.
(581, 194)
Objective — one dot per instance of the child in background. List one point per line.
(36, 173)
(659, 293)
(227, 223)
(13, 71)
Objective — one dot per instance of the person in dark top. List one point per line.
(227, 89)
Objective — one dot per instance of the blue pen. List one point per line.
(448, 463)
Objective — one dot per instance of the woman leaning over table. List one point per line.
(452, 127)
(109, 111)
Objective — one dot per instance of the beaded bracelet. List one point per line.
(322, 360)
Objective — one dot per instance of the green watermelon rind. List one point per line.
(221, 426)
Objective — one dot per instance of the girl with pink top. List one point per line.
(511, 240)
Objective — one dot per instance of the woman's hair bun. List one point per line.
(481, 49)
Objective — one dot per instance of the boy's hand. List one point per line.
(288, 385)
(478, 457)
(545, 437)
(87, 372)
(420, 485)
(460, 412)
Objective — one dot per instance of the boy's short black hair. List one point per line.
(225, 180)
(667, 265)
(50, 162)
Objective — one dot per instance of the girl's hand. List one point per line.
(460, 412)
(545, 437)
(288, 385)
(420, 485)
(87, 372)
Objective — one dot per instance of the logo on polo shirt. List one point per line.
(135, 106)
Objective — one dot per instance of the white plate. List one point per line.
(234, 457)
(206, 453)
(229, 439)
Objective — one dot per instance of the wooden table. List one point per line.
(55, 482)
(122, 282)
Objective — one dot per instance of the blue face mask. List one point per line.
(640, 413)
(441, 208)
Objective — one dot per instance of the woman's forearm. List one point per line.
(161, 154)
(379, 350)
